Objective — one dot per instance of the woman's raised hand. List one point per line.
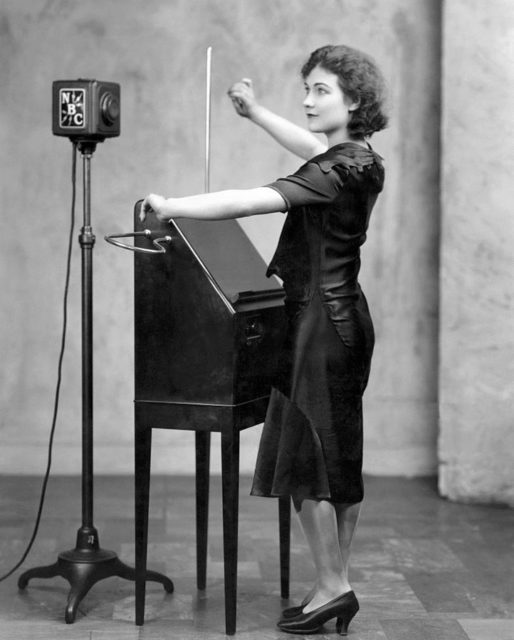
(243, 98)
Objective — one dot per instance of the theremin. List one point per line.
(208, 329)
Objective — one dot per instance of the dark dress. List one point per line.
(311, 444)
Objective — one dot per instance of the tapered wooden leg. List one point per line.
(284, 525)
(143, 447)
(230, 489)
(203, 453)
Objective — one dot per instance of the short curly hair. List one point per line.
(360, 79)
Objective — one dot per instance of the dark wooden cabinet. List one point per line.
(208, 330)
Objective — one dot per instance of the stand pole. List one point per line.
(87, 243)
(87, 563)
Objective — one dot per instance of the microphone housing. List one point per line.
(86, 109)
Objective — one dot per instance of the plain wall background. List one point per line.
(156, 51)
(476, 397)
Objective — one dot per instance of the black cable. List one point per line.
(59, 366)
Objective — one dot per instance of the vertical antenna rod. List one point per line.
(208, 120)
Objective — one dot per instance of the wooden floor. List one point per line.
(423, 568)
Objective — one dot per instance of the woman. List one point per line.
(311, 444)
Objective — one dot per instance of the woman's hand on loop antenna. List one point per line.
(156, 204)
(243, 98)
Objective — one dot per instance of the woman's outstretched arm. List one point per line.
(292, 137)
(219, 205)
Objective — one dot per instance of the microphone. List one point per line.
(86, 109)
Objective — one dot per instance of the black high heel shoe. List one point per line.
(343, 608)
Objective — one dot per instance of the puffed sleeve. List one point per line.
(321, 179)
(309, 185)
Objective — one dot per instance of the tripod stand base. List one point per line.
(82, 568)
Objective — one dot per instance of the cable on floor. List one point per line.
(59, 366)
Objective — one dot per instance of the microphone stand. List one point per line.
(87, 563)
